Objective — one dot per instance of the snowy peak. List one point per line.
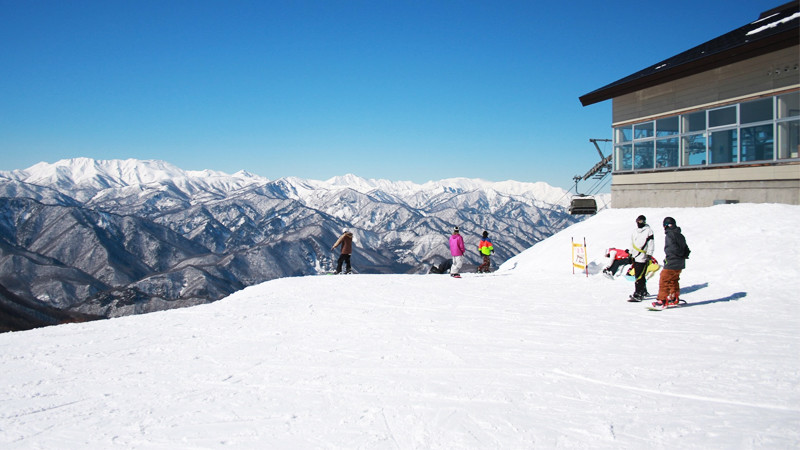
(89, 176)
(98, 173)
(353, 182)
(87, 172)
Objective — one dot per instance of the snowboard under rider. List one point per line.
(457, 250)
(643, 246)
(346, 241)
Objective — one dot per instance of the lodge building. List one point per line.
(719, 123)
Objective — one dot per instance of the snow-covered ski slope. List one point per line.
(530, 356)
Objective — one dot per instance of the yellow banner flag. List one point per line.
(580, 259)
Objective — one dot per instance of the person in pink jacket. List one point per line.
(457, 249)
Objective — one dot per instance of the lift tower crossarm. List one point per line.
(604, 160)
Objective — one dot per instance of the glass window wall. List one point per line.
(766, 129)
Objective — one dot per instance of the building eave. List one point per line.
(738, 45)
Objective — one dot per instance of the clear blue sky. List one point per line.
(402, 90)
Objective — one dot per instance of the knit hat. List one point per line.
(642, 219)
(485, 234)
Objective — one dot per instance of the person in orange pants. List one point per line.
(676, 252)
(669, 288)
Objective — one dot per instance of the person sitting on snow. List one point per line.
(443, 267)
(617, 258)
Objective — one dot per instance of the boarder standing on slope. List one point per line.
(457, 249)
(676, 252)
(486, 249)
(643, 246)
(346, 241)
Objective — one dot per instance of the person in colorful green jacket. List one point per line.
(486, 249)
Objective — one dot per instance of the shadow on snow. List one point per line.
(732, 297)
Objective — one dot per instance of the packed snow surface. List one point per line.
(529, 356)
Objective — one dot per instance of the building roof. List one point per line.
(774, 30)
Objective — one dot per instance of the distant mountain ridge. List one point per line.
(117, 237)
(86, 174)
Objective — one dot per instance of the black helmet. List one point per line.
(669, 222)
(641, 221)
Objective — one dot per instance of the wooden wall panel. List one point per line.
(734, 82)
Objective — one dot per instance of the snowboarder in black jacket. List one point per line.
(676, 252)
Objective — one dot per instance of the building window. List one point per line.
(757, 143)
(623, 157)
(757, 111)
(694, 150)
(624, 134)
(722, 148)
(766, 129)
(643, 130)
(789, 139)
(722, 117)
(667, 127)
(789, 105)
(667, 152)
(643, 155)
(788, 111)
(694, 122)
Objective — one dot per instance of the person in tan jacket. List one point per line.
(346, 241)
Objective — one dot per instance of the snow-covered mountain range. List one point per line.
(110, 238)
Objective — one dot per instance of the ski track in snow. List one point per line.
(672, 394)
(529, 356)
